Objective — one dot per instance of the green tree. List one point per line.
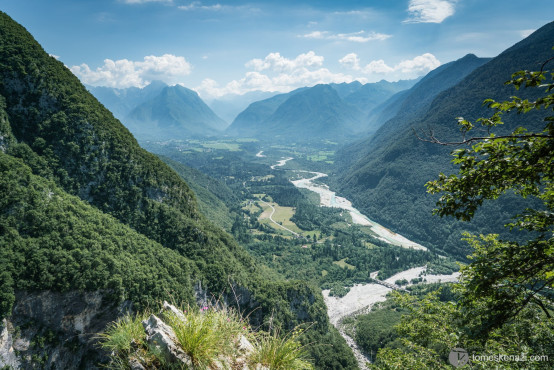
(506, 276)
(505, 305)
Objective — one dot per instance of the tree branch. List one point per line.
(431, 138)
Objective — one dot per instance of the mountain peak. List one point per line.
(155, 85)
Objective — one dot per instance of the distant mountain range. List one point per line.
(385, 174)
(406, 105)
(229, 106)
(336, 111)
(158, 111)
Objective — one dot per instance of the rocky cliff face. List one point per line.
(56, 330)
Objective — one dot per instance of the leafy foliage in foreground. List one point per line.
(433, 327)
(505, 276)
(505, 306)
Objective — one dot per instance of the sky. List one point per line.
(233, 47)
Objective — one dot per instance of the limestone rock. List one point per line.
(245, 346)
(7, 353)
(135, 364)
(167, 307)
(162, 336)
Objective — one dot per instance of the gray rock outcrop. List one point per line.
(161, 336)
(57, 330)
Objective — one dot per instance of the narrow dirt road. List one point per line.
(275, 222)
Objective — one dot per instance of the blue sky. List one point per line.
(221, 47)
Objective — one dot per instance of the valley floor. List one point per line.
(362, 297)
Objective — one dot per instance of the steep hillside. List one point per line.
(387, 182)
(422, 94)
(405, 106)
(214, 198)
(81, 201)
(55, 241)
(175, 113)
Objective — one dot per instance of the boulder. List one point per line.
(162, 337)
(167, 307)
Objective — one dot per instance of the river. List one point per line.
(361, 297)
(329, 198)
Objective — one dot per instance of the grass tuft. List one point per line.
(123, 335)
(281, 352)
(208, 333)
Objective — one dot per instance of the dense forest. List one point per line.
(118, 206)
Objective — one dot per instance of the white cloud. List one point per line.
(526, 33)
(360, 36)
(277, 63)
(277, 73)
(430, 11)
(351, 61)
(315, 35)
(419, 65)
(405, 69)
(198, 6)
(378, 66)
(125, 73)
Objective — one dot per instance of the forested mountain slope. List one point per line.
(64, 133)
(407, 105)
(215, 199)
(387, 182)
(83, 204)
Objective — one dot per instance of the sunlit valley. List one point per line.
(380, 218)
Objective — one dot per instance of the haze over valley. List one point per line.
(260, 185)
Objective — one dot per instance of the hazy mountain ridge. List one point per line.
(122, 101)
(388, 180)
(229, 106)
(399, 110)
(369, 96)
(314, 112)
(159, 111)
(334, 111)
(176, 112)
(247, 122)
